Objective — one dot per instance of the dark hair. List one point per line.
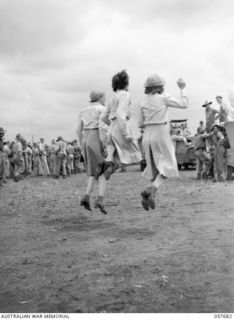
(154, 89)
(220, 97)
(201, 122)
(120, 81)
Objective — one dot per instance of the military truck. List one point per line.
(185, 154)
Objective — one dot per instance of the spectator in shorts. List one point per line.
(219, 152)
(202, 157)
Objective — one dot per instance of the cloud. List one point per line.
(54, 52)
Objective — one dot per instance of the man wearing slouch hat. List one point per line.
(2, 165)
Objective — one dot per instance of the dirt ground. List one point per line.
(57, 257)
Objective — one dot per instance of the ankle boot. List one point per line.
(148, 197)
(99, 204)
(85, 202)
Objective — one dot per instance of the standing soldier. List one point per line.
(202, 158)
(2, 165)
(24, 145)
(52, 158)
(61, 158)
(18, 159)
(43, 157)
(29, 157)
(211, 115)
(6, 152)
(77, 156)
(37, 169)
(11, 155)
(70, 158)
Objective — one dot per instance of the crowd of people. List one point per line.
(106, 142)
(20, 158)
(211, 142)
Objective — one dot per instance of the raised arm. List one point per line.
(180, 102)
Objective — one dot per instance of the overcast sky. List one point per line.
(54, 52)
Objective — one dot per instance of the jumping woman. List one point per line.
(92, 147)
(157, 144)
(122, 147)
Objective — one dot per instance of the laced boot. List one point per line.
(99, 204)
(148, 198)
(85, 202)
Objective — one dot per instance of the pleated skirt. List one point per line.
(92, 150)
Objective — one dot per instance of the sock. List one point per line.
(90, 185)
(158, 181)
(102, 186)
(110, 152)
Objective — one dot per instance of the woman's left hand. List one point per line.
(181, 83)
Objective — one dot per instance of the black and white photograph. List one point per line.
(117, 158)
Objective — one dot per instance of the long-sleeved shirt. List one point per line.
(119, 108)
(154, 108)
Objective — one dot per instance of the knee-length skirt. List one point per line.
(92, 150)
(159, 152)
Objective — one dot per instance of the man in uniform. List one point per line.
(43, 157)
(2, 161)
(18, 159)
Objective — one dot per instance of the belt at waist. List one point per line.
(155, 124)
(87, 129)
(114, 118)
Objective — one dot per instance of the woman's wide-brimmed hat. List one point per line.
(154, 80)
(207, 103)
(96, 96)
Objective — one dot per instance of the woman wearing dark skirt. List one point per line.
(92, 147)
